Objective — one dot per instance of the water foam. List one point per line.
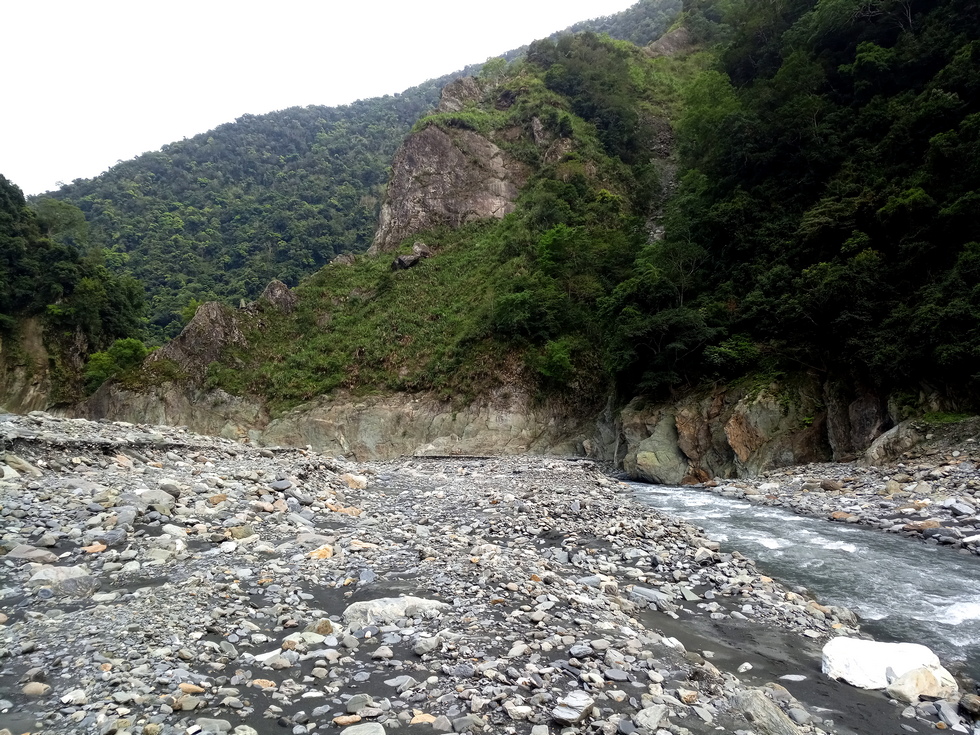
(960, 612)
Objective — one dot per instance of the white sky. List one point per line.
(92, 82)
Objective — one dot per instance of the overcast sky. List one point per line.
(98, 81)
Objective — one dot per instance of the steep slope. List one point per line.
(217, 216)
(57, 305)
(755, 313)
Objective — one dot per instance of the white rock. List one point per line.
(650, 717)
(53, 575)
(573, 707)
(387, 610)
(923, 681)
(873, 665)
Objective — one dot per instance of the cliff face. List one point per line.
(442, 178)
(25, 374)
(726, 432)
(368, 428)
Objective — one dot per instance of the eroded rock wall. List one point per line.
(367, 428)
(442, 178)
(727, 432)
(25, 375)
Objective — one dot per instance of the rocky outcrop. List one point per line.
(213, 328)
(448, 178)
(736, 431)
(724, 433)
(211, 412)
(25, 376)
(368, 428)
(393, 425)
(458, 93)
(277, 295)
(670, 44)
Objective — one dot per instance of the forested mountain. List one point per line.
(828, 215)
(217, 216)
(825, 220)
(824, 161)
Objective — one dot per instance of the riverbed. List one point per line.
(903, 590)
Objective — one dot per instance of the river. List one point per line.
(903, 590)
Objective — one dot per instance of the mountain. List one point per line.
(219, 215)
(751, 243)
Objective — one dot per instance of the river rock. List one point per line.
(30, 553)
(765, 716)
(873, 665)
(387, 610)
(935, 682)
(573, 707)
(650, 717)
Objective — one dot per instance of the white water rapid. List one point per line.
(903, 590)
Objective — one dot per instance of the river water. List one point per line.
(903, 590)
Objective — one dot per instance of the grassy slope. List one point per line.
(435, 326)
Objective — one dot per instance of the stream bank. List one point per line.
(155, 581)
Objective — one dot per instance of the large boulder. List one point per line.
(875, 665)
(387, 610)
(765, 716)
(935, 683)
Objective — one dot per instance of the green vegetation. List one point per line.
(44, 271)
(516, 300)
(219, 215)
(936, 417)
(123, 355)
(823, 158)
(826, 216)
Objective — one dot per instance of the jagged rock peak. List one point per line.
(446, 178)
(278, 295)
(458, 92)
(213, 328)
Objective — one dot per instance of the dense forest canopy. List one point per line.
(45, 270)
(217, 216)
(828, 205)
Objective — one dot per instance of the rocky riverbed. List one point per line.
(155, 581)
(929, 492)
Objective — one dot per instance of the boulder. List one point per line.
(893, 443)
(573, 707)
(30, 553)
(765, 716)
(404, 262)
(936, 683)
(650, 718)
(387, 610)
(874, 665)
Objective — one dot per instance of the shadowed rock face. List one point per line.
(212, 329)
(670, 44)
(441, 178)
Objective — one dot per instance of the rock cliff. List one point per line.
(367, 428)
(201, 342)
(447, 176)
(25, 374)
(726, 432)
